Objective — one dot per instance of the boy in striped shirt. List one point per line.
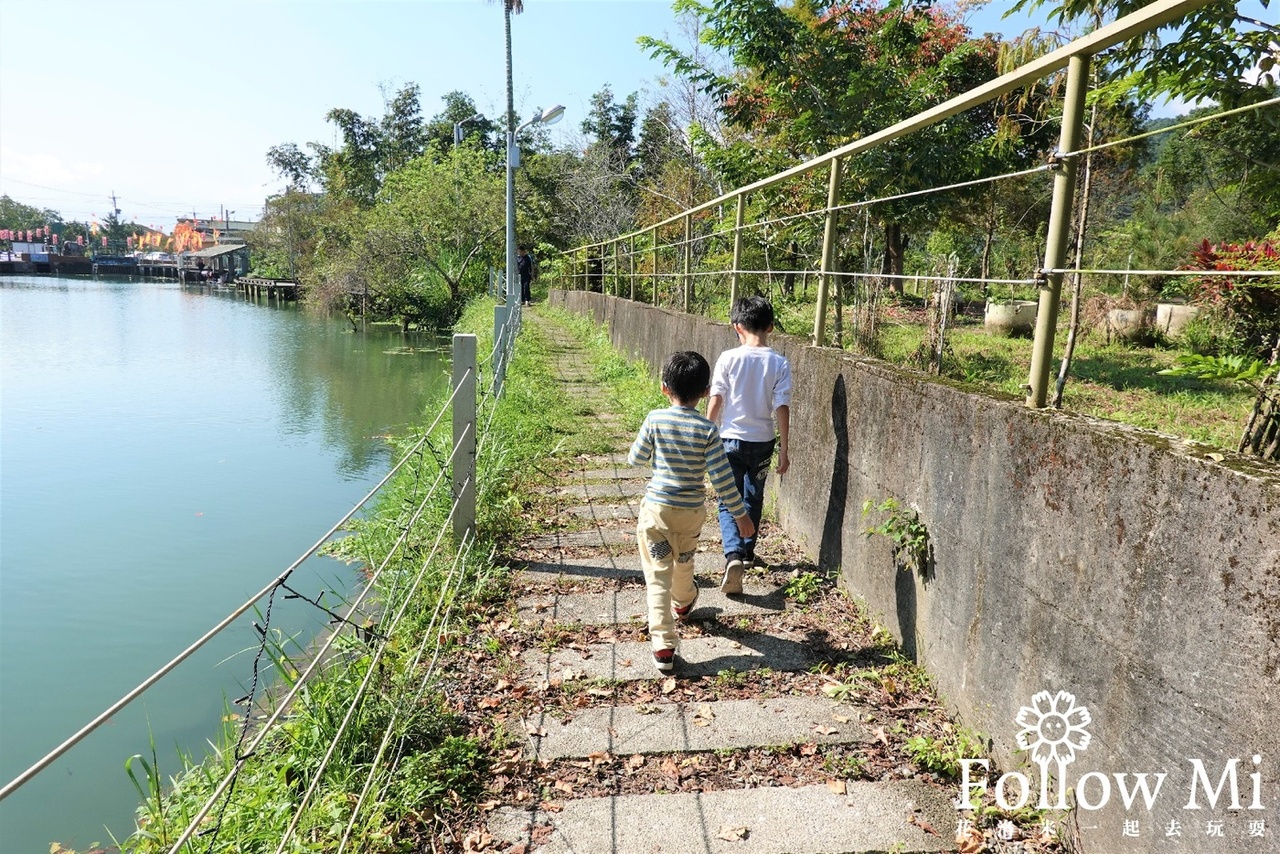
(683, 449)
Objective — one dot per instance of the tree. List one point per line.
(811, 76)
(15, 215)
(459, 107)
(1213, 55)
(612, 126)
(292, 164)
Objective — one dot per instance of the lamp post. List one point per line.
(549, 116)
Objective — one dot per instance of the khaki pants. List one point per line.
(668, 539)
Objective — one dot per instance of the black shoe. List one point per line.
(664, 660)
(682, 613)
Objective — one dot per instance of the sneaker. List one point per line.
(732, 582)
(664, 659)
(681, 613)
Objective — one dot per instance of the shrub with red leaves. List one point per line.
(1248, 304)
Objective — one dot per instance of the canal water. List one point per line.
(165, 452)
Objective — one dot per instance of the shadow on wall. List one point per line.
(831, 549)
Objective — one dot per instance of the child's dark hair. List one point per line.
(754, 313)
(686, 375)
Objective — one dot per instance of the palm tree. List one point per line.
(509, 8)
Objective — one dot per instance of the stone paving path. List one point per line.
(590, 579)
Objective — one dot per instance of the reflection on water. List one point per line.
(164, 453)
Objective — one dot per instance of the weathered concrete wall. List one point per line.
(1069, 555)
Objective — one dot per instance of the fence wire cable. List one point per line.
(459, 561)
(132, 695)
(1044, 167)
(370, 669)
(318, 658)
(1180, 126)
(1219, 273)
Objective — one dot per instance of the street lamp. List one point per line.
(457, 127)
(549, 116)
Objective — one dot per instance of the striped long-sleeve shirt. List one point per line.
(683, 447)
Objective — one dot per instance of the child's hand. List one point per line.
(784, 462)
(746, 527)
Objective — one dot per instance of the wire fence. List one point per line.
(815, 246)
(408, 580)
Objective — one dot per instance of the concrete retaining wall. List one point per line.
(1069, 554)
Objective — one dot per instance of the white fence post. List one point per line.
(464, 436)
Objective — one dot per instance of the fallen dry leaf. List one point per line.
(551, 806)
(477, 840)
(825, 730)
(635, 761)
(535, 730)
(729, 833)
(670, 768)
(841, 719)
(970, 841)
(922, 824)
(880, 736)
(669, 685)
(836, 787)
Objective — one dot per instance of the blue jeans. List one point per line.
(750, 463)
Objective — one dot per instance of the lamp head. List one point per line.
(551, 115)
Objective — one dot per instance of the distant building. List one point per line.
(228, 230)
(225, 262)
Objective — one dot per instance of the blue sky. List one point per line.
(172, 104)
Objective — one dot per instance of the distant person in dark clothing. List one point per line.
(524, 266)
(595, 275)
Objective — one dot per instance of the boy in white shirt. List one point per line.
(750, 391)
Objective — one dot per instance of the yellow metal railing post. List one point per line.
(687, 280)
(631, 262)
(737, 249)
(828, 252)
(1059, 235)
(655, 265)
(617, 270)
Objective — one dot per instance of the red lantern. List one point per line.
(55, 240)
(104, 241)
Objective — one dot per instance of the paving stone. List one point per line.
(595, 536)
(628, 662)
(624, 566)
(611, 532)
(616, 490)
(605, 512)
(675, 727)
(628, 604)
(617, 473)
(868, 817)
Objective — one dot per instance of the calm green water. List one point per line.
(165, 452)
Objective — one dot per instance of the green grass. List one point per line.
(1115, 382)
(439, 767)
